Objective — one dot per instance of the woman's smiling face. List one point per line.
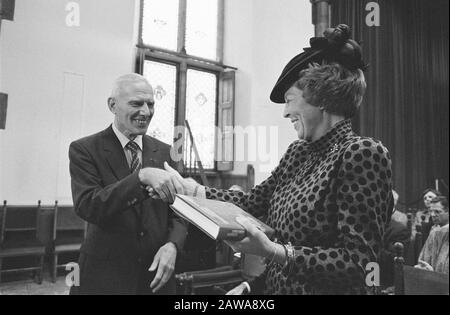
(427, 198)
(303, 115)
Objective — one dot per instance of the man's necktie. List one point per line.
(135, 164)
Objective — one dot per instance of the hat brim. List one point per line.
(290, 73)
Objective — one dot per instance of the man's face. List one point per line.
(133, 108)
(439, 214)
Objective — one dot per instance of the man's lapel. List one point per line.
(115, 154)
(118, 162)
(150, 154)
(150, 158)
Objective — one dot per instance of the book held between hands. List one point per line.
(216, 218)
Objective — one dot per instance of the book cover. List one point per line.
(216, 218)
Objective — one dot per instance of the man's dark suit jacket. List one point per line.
(125, 227)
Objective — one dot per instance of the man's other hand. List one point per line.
(164, 263)
(239, 290)
(424, 265)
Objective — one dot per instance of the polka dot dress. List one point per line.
(332, 200)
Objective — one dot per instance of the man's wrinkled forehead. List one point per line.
(136, 91)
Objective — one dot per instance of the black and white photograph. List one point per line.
(220, 154)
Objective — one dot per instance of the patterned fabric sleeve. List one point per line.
(361, 202)
(257, 200)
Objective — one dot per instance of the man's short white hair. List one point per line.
(126, 80)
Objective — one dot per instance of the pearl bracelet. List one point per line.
(290, 255)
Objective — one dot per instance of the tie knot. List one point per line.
(133, 146)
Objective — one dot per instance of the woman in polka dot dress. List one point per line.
(329, 199)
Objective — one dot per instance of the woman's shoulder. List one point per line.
(365, 147)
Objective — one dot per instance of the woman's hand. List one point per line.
(189, 185)
(255, 243)
(166, 185)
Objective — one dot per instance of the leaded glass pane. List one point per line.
(160, 23)
(201, 28)
(201, 114)
(163, 79)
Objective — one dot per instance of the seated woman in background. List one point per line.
(329, 199)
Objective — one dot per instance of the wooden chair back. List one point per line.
(2, 221)
(67, 224)
(19, 223)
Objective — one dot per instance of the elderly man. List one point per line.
(132, 240)
(439, 211)
(434, 254)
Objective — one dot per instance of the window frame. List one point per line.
(181, 51)
(216, 118)
(140, 70)
(183, 62)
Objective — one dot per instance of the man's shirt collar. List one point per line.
(124, 140)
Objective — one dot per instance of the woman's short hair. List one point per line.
(333, 87)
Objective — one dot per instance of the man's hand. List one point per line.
(165, 262)
(163, 183)
(238, 290)
(424, 265)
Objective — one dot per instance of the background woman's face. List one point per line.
(303, 115)
(427, 198)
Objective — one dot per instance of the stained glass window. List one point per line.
(162, 77)
(201, 114)
(201, 28)
(160, 23)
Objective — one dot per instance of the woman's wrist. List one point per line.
(192, 188)
(200, 191)
(276, 253)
